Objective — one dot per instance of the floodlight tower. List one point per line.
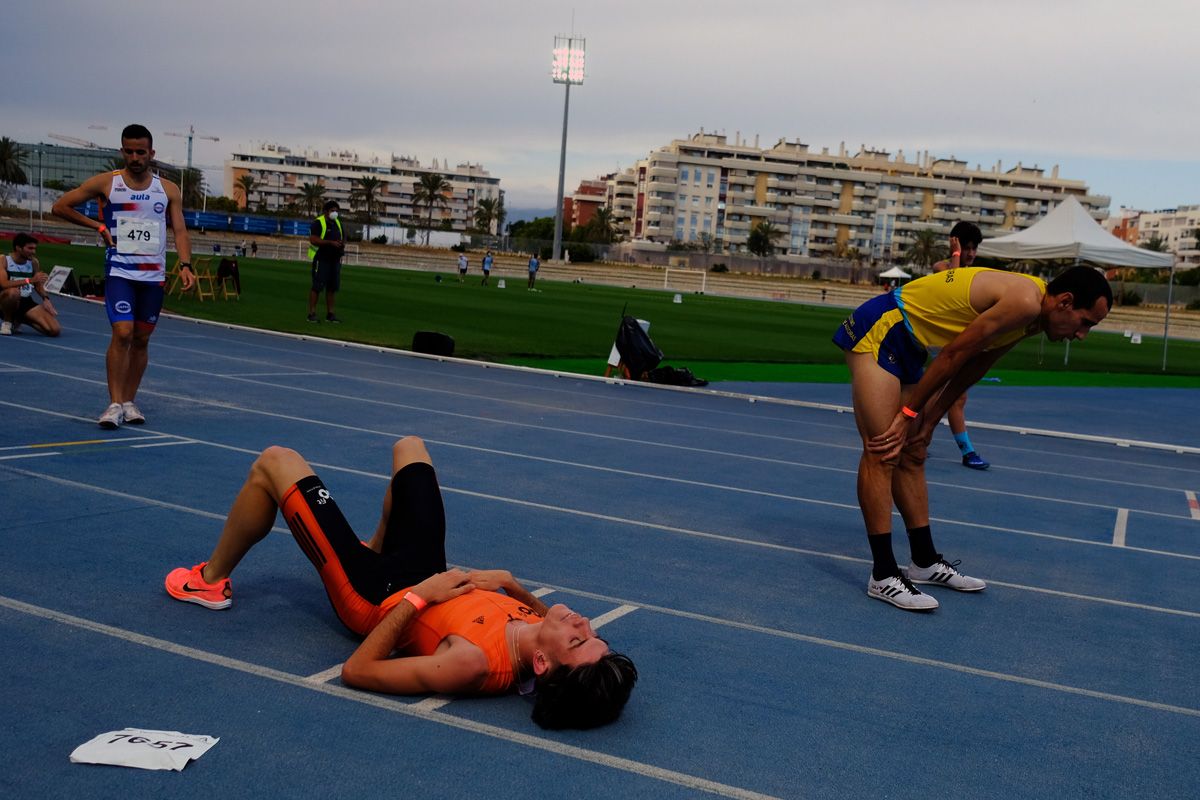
(567, 68)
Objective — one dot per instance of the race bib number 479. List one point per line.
(138, 237)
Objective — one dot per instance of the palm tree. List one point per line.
(430, 191)
(603, 222)
(761, 240)
(927, 248)
(485, 214)
(502, 214)
(854, 256)
(1155, 243)
(11, 159)
(312, 194)
(364, 196)
(245, 185)
(191, 184)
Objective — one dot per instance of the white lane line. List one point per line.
(657, 527)
(1119, 527)
(98, 442)
(906, 657)
(433, 703)
(542, 591)
(609, 616)
(614, 470)
(776, 401)
(592, 467)
(162, 444)
(389, 704)
(30, 455)
(306, 374)
(325, 675)
(1193, 505)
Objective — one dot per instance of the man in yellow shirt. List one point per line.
(974, 316)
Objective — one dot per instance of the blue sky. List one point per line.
(1107, 90)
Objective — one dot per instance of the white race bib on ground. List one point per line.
(144, 749)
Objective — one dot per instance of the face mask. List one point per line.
(333, 215)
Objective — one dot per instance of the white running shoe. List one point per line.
(6, 328)
(112, 417)
(899, 592)
(944, 573)
(131, 414)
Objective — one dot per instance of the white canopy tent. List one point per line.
(894, 272)
(1069, 232)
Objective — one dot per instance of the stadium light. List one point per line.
(567, 67)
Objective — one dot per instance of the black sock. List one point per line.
(921, 542)
(885, 560)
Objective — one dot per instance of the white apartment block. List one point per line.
(1178, 227)
(824, 202)
(280, 174)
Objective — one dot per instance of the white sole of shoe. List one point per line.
(902, 608)
(217, 606)
(946, 586)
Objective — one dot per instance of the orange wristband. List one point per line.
(908, 412)
(102, 228)
(416, 601)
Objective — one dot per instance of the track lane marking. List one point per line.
(614, 470)
(840, 409)
(30, 455)
(389, 704)
(640, 524)
(1118, 539)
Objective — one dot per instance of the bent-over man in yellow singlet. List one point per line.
(974, 316)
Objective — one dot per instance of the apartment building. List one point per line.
(580, 206)
(707, 188)
(280, 174)
(1178, 228)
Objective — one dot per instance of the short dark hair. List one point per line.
(22, 239)
(1086, 284)
(330, 205)
(967, 233)
(585, 697)
(136, 131)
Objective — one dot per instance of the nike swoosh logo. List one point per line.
(187, 588)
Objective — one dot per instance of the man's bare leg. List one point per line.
(136, 360)
(43, 322)
(250, 519)
(116, 360)
(876, 397)
(409, 450)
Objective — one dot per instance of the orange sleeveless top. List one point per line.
(479, 617)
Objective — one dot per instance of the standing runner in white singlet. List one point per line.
(136, 206)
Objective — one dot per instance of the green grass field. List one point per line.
(570, 327)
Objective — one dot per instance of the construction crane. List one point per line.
(75, 141)
(190, 135)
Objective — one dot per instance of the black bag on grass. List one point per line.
(638, 352)
(674, 376)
